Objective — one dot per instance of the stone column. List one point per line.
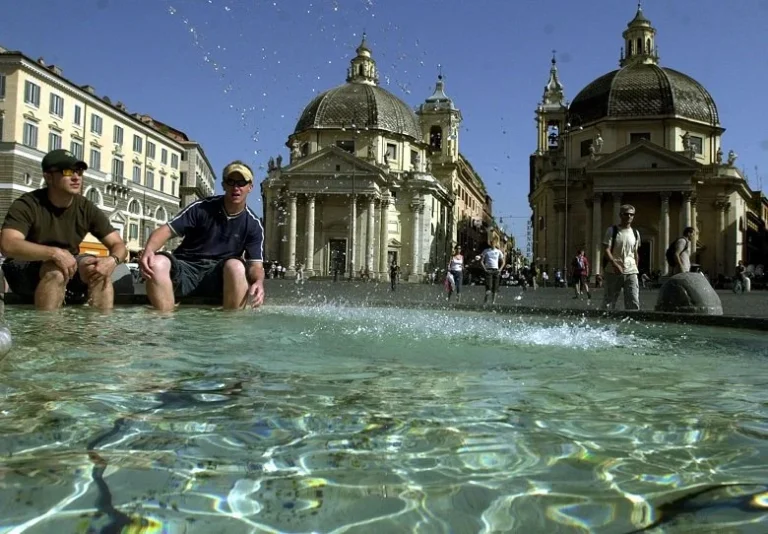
(275, 237)
(560, 241)
(597, 234)
(664, 233)
(685, 213)
(694, 217)
(370, 230)
(384, 237)
(292, 234)
(616, 207)
(352, 246)
(722, 207)
(416, 208)
(309, 261)
(588, 230)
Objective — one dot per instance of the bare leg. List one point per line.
(49, 294)
(100, 294)
(160, 287)
(235, 285)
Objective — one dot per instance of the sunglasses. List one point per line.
(629, 214)
(69, 172)
(236, 183)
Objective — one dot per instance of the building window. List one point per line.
(78, 118)
(137, 144)
(173, 188)
(697, 144)
(32, 94)
(414, 157)
(391, 152)
(134, 207)
(147, 233)
(1, 127)
(54, 141)
(637, 137)
(436, 138)
(117, 168)
(96, 124)
(162, 183)
(133, 231)
(184, 179)
(30, 135)
(93, 196)
(150, 150)
(57, 105)
(585, 146)
(95, 162)
(304, 149)
(150, 179)
(2, 85)
(27, 179)
(77, 149)
(136, 174)
(164, 156)
(175, 161)
(347, 146)
(117, 134)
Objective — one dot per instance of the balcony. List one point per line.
(117, 186)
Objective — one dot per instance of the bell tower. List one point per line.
(639, 41)
(440, 121)
(551, 112)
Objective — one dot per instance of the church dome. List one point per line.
(359, 105)
(644, 90)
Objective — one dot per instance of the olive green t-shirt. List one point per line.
(41, 222)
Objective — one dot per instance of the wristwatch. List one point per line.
(118, 261)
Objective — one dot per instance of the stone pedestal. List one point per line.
(689, 293)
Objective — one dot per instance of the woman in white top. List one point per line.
(456, 268)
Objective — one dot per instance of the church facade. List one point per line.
(371, 182)
(644, 135)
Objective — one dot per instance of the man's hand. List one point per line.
(101, 270)
(146, 263)
(256, 293)
(65, 261)
(618, 267)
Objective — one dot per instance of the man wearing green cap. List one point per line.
(42, 233)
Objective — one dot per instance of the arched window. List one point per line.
(648, 46)
(436, 138)
(161, 214)
(134, 207)
(639, 45)
(360, 70)
(93, 195)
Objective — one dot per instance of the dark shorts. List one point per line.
(199, 278)
(23, 277)
(492, 280)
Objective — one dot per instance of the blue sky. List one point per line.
(236, 74)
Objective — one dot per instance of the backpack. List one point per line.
(615, 229)
(671, 253)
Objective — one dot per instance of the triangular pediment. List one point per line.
(117, 217)
(332, 159)
(641, 156)
(394, 242)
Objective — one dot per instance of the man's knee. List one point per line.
(161, 266)
(234, 269)
(50, 273)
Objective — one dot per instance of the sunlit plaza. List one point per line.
(433, 353)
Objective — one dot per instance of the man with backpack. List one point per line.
(620, 247)
(580, 274)
(679, 252)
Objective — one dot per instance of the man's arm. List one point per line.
(158, 239)
(14, 245)
(255, 272)
(116, 246)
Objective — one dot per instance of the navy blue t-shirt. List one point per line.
(209, 233)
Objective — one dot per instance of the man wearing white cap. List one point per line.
(221, 254)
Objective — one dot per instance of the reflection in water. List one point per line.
(324, 418)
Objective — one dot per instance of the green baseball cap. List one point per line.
(62, 159)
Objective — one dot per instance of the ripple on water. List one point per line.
(318, 418)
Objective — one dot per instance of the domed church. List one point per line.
(371, 181)
(644, 135)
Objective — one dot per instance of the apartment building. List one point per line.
(135, 168)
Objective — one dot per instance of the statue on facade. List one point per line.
(686, 137)
(372, 149)
(386, 158)
(295, 150)
(271, 164)
(429, 165)
(279, 161)
(598, 143)
(719, 156)
(417, 161)
(732, 158)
